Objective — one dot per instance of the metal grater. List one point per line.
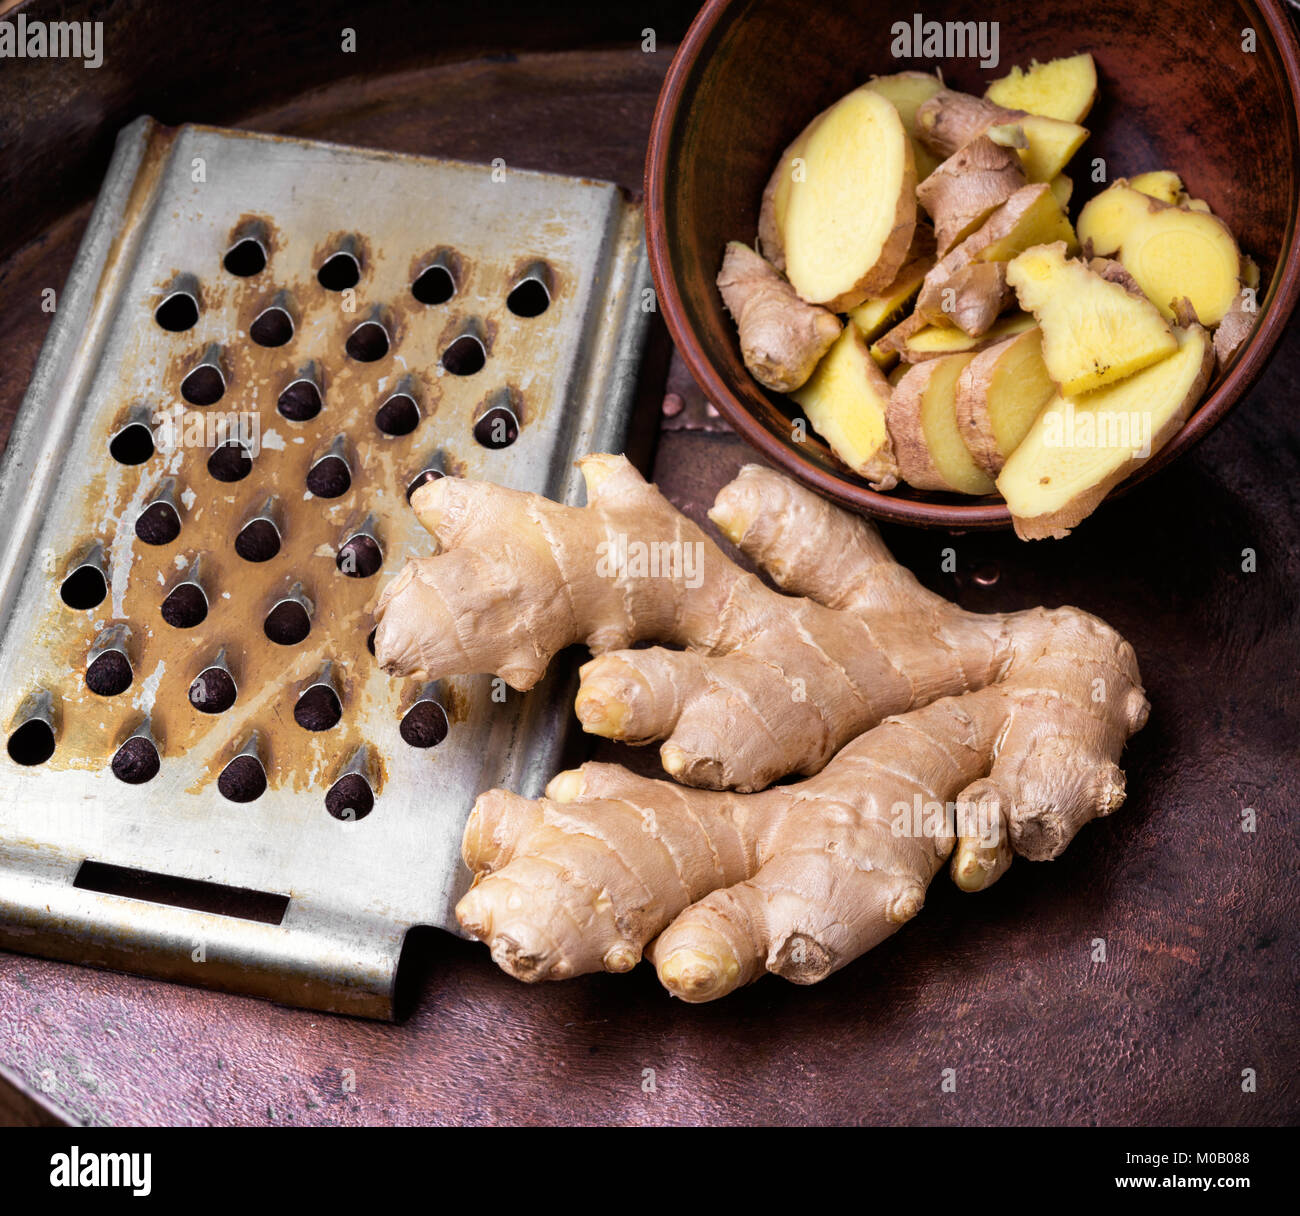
(510, 305)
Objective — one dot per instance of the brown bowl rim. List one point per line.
(1245, 370)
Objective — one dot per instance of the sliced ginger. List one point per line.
(965, 289)
(845, 401)
(1063, 89)
(873, 316)
(968, 187)
(999, 394)
(907, 91)
(948, 121)
(840, 210)
(1172, 252)
(1162, 184)
(1080, 448)
(1095, 331)
(915, 341)
(923, 425)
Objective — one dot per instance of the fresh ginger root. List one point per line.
(915, 341)
(781, 337)
(768, 684)
(999, 394)
(1019, 718)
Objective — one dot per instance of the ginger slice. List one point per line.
(956, 293)
(923, 425)
(845, 400)
(915, 341)
(781, 337)
(948, 121)
(1079, 448)
(907, 91)
(999, 394)
(1094, 331)
(874, 315)
(1175, 253)
(839, 213)
(1162, 184)
(1063, 89)
(965, 190)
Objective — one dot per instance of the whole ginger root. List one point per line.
(969, 737)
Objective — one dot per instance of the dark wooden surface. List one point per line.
(1198, 918)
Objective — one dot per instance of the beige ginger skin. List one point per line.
(1021, 715)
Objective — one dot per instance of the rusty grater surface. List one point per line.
(467, 321)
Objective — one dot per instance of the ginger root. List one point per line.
(781, 337)
(875, 314)
(916, 341)
(767, 684)
(985, 736)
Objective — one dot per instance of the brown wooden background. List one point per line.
(1198, 918)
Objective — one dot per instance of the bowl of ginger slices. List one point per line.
(982, 264)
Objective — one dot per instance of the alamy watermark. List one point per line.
(23, 39)
(682, 561)
(178, 427)
(922, 39)
(1070, 428)
(924, 819)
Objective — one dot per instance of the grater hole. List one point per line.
(213, 691)
(246, 258)
(132, 444)
(425, 724)
(434, 286)
(529, 299)
(399, 415)
(178, 312)
(109, 675)
(329, 477)
(350, 797)
(300, 402)
(422, 479)
(84, 588)
(272, 327)
(287, 623)
(258, 541)
(339, 272)
(230, 461)
(136, 761)
(465, 356)
(185, 607)
(498, 428)
(203, 386)
(158, 524)
(370, 640)
(368, 342)
(243, 779)
(32, 743)
(359, 557)
(319, 708)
